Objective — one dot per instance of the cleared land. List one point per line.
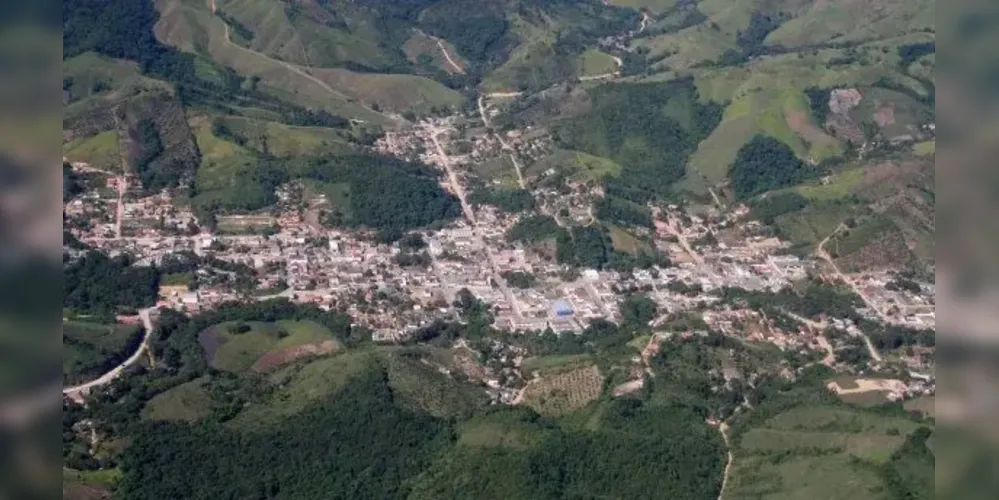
(238, 347)
(594, 63)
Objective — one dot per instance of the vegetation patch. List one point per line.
(546, 363)
(649, 129)
(595, 63)
(91, 349)
(99, 151)
(188, 402)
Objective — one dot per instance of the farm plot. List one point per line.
(560, 393)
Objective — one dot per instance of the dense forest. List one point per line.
(123, 29)
(764, 164)
(505, 199)
(767, 208)
(384, 193)
(533, 229)
(101, 285)
(356, 445)
(623, 212)
(650, 129)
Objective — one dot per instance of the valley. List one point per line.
(468, 249)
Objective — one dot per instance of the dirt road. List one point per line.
(824, 255)
(447, 56)
(723, 428)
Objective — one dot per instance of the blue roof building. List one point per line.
(562, 308)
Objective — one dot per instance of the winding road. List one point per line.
(78, 392)
(440, 44)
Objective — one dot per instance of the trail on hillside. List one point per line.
(294, 69)
(440, 44)
(723, 428)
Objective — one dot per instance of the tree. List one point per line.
(764, 164)
(638, 310)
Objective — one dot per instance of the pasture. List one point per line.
(817, 452)
(99, 151)
(188, 402)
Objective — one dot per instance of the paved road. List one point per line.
(470, 215)
(78, 391)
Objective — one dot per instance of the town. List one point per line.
(396, 289)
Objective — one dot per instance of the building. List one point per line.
(562, 308)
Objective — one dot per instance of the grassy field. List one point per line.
(862, 235)
(924, 404)
(840, 186)
(286, 140)
(545, 363)
(502, 429)
(90, 74)
(239, 351)
(561, 392)
(189, 26)
(298, 386)
(499, 168)
(824, 22)
(89, 484)
(781, 113)
(812, 225)
(188, 402)
(812, 452)
(582, 166)
(593, 62)
(925, 148)
(416, 384)
(626, 242)
(420, 386)
(99, 151)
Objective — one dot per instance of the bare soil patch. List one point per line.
(276, 359)
(798, 121)
(211, 339)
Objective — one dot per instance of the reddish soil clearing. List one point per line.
(280, 358)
